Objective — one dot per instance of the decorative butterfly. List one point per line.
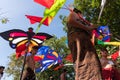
(18, 39)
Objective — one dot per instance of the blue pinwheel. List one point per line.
(102, 33)
(49, 58)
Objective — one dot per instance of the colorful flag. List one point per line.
(36, 19)
(50, 13)
(46, 3)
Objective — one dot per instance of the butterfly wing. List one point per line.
(14, 37)
(42, 36)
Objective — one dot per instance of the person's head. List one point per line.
(103, 52)
(2, 69)
(77, 11)
(34, 49)
(64, 70)
(30, 29)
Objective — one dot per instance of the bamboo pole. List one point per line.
(24, 59)
(77, 61)
(102, 7)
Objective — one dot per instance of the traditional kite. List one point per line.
(49, 13)
(49, 58)
(18, 39)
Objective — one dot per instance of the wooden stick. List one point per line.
(77, 61)
(119, 51)
(24, 59)
(102, 7)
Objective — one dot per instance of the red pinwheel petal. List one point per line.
(46, 3)
(35, 19)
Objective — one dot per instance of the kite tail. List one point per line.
(38, 28)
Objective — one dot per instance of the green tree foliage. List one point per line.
(14, 66)
(3, 20)
(59, 45)
(110, 15)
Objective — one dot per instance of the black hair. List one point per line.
(35, 47)
(103, 49)
(64, 70)
(2, 67)
(76, 10)
(30, 28)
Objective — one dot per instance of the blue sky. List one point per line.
(15, 11)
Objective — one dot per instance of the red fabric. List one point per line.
(115, 55)
(116, 74)
(46, 3)
(69, 58)
(20, 50)
(35, 19)
(58, 67)
(37, 58)
(107, 73)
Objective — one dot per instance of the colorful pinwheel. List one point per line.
(18, 39)
(102, 33)
(49, 12)
(49, 58)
